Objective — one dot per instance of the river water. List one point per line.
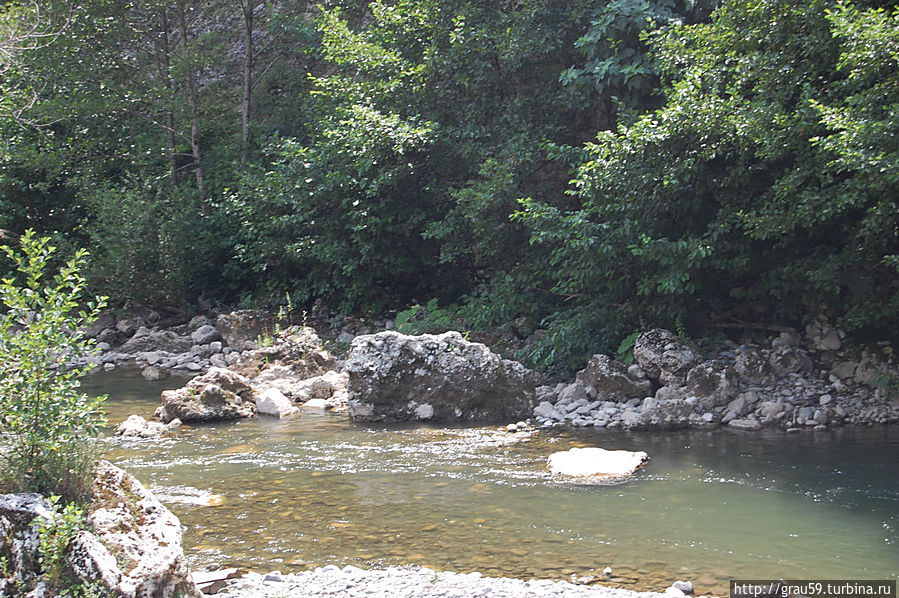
(709, 506)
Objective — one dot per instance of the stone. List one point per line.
(744, 424)
(91, 562)
(297, 348)
(714, 383)
(572, 393)
(216, 346)
(663, 356)
(218, 394)
(789, 360)
(752, 366)
(391, 374)
(238, 327)
(163, 340)
(137, 427)
(197, 322)
(345, 338)
(321, 404)
(19, 535)
(104, 320)
(684, 586)
(141, 532)
(273, 402)
(844, 369)
(205, 334)
(128, 326)
(672, 592)
(595, 464)
(668, 415)
(612, 380)
(111, 337)
(825, 400)
(544, 409)
(151, 373)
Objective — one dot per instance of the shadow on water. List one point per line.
(709, 506)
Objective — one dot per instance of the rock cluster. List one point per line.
(292, 369)
(133, 548)
(396, 377)
(671, 385)
(160, 346)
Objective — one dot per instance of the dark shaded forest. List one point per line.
(588, 168)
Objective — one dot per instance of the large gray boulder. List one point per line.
(216, 395)
(161, 340)
(714, 383)
(613, 380)
(395, 377)
(664, 357)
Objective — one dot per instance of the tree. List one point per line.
(762, 194)
(48, 425)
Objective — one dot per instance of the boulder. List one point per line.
(714, 383)
(788, 360)
(752, 366)
(133, 548)
(273, 402)
(141, 533)
(613, 380)
(296, 348)
(391, 375)
(104, 320)
(663, 356)
(137, 427)
(217, 394)
(205, 334)
(595, 464)
(668, 414)
(162, 340)
(19, 536)
(238, 327)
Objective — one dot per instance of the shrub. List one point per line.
(48, 425)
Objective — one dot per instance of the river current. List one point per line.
(709, 506)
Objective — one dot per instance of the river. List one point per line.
(709, 506)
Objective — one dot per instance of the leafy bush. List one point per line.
(48, 425)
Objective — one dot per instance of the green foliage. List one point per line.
(762, 189)
(427, 319)
(55, 535)
(47, 424)
(625, 351)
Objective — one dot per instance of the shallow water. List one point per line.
(709, 506)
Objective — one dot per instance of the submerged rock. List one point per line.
(595, 463)
(137, 427)
(395, 377)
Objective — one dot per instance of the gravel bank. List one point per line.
(417, 582)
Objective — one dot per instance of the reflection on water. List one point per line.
(709, 506)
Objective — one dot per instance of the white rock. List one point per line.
(684, 586)
(673, 592)
(316, 404)
(425, 411)
(137, 427)
(273, 402)
(595, 462)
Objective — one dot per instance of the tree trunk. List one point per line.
(192, 106)
(165, 68)
(249, 8)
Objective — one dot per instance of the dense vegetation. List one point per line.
(590, 167)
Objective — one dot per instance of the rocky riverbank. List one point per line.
(414, 582)
(789, 381)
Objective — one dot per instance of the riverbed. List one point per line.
(709, 506)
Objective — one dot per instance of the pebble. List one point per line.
(420, 582)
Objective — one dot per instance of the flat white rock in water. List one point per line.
(595, 463)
